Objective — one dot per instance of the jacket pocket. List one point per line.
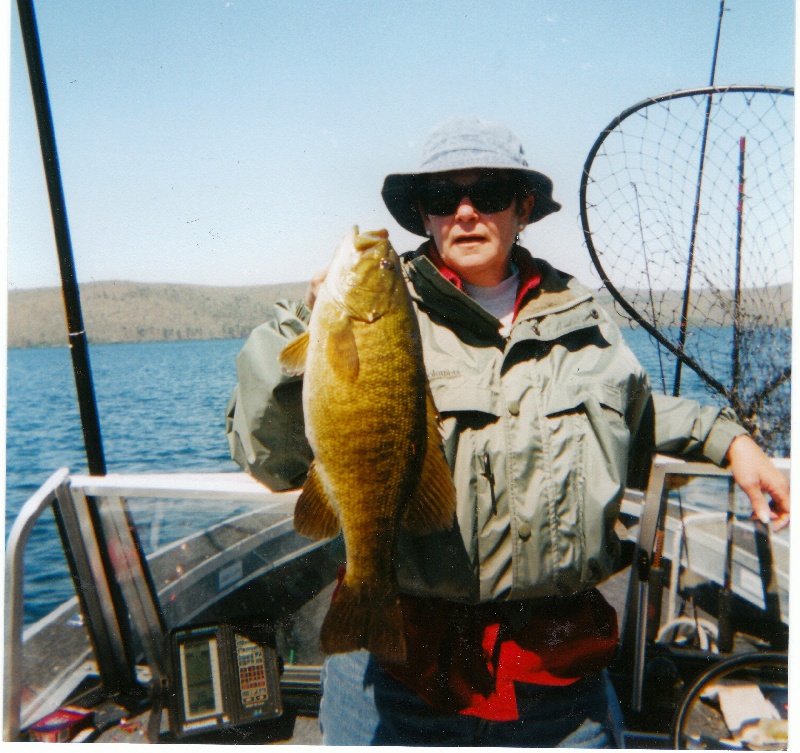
(587, 446)
(465, 406)
(464, 395)
(603, 407)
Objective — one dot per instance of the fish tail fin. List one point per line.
(386, 636)
(356, 621)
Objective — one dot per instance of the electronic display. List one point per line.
(223, 675)
(202, 690)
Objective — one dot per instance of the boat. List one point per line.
(112, 650)
(203, 627)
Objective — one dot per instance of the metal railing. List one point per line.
(70, 493)
(651, 514)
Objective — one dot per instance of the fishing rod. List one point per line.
(108, 624)
(78, 343)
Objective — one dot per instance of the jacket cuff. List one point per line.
(723, 431)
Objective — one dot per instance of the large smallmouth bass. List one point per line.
(374, 430)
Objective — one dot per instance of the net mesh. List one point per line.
(687, 209)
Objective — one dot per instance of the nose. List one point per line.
(466, 210)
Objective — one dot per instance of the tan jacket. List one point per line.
(542, 431)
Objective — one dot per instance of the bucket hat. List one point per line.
(461, 144)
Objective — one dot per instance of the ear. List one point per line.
(424, 216)
(526, 207)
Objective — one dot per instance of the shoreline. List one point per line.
(130, 312)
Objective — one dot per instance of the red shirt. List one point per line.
(466, 658)
(529, 277)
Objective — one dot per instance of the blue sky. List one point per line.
(232, 142)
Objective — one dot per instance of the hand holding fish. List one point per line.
(314, 286)
(757, 476)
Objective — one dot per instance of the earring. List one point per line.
(428, 232)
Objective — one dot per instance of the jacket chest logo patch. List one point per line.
(444, 374)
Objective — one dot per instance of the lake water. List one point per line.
(162, 408)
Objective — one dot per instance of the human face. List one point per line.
(474, 244)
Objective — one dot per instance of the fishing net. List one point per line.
(686, 206)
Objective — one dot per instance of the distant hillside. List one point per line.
(136, 312)
(771, 305)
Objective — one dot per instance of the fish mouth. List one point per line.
(367, 275)
(365, 241)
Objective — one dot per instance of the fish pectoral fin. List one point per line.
(342, 350)
(314, 516)
(434, 504)
(292, 359)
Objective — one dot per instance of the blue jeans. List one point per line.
(363, 705)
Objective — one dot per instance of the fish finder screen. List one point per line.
(201, 679)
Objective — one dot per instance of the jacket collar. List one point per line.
(554, 292)
(529, 277)
(559, 306)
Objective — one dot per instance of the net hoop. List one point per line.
(630, 310)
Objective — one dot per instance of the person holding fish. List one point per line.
(467, 416)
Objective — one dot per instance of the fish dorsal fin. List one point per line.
(314, 515)
(292, 359)
(342, 350)
(434, 503)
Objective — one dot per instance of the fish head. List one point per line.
(365, 274)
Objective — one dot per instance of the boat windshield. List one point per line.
(184, 549)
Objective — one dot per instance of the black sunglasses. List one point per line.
(488, 195)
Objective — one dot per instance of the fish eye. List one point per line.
(385, 264)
